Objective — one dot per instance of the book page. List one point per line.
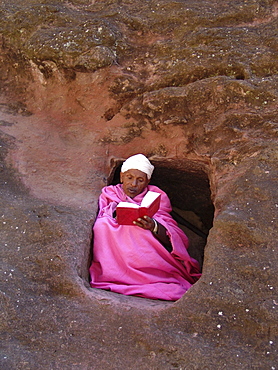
(149, 198)
(127, 205)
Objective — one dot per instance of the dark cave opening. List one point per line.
(187, 184)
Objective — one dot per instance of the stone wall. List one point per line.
(83, 85)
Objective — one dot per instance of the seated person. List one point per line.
(148, 259)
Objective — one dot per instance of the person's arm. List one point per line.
(158, 230)
(160, 233)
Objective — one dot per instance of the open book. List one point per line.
(129, 212)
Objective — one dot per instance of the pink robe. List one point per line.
(131, 261)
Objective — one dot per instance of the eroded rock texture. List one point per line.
(193, 85)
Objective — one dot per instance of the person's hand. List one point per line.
(146, 223)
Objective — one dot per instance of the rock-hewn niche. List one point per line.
(188, 187)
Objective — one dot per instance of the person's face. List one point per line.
(134, 182)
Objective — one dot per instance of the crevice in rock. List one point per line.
(109, 114)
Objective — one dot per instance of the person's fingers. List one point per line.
(139, 222)
(150, 222)
(145, 223)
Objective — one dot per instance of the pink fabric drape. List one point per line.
(131, 261)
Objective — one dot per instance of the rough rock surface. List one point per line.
(84, 84)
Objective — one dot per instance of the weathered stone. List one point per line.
(193, 85)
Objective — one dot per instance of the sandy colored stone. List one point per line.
(193, 85)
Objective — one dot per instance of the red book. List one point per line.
(129, 212)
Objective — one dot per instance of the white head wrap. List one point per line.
(138, 162)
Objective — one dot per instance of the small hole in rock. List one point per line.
(240, 76)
